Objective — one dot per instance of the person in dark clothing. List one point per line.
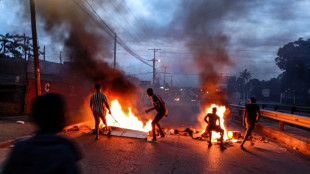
(250, 118)
(45, 152)
(160, 106)
(211, 119)
(98, 104)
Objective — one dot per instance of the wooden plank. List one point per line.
(121, 132)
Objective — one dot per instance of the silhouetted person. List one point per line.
(211, 119)
(98, 104)
(160, 106)
(45, 152)
(250, 117)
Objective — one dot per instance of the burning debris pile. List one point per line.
(126, 120)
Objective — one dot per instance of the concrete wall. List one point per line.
(12, 86)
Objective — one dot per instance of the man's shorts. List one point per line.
(216, 129)
(98, 115)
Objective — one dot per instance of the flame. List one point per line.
(127, 121)
(220, 112)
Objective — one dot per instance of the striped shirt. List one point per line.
(97, 101)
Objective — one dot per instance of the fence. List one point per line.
(281, 117)
(292, 109)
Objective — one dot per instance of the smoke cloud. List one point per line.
(202, 22)
(72, 24)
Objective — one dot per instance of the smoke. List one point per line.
(202, 23)
(72, 24)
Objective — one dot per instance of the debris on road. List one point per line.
(76, 128)
(20, 122)
(283, 149)
(228, 143)
(186, 132)
(176, 131)
(169, 131)
(189, 131)
(200, 138)
(264, 140)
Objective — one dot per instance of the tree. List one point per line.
(294, 60)
(274, 85)
(244, 76)
(254, 88)
(15, 46)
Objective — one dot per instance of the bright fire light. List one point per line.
(220, 112)
(126, 120)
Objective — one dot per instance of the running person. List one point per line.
(250, 118)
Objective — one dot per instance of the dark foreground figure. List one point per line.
(160, 106)
(250, 118)
(211, 119)
(46, 152)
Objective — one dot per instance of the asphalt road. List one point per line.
(181, 154)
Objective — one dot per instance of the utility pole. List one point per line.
(44, 53)
(165, 72)
(35, 48)
(25, 46)
(114, 65)
(171, 82)
(60, 56)
(154, 59)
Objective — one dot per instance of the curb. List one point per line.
(7, 143)
(10, 142)
(294, 143)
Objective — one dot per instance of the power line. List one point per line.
(137, 34)
(120, 41)
(110, 32)
(154, 59)
(224, 74)
(141, 73)
(116, 20)
(143, 26)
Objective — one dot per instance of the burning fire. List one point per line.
(127, 121)
(220, 112)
